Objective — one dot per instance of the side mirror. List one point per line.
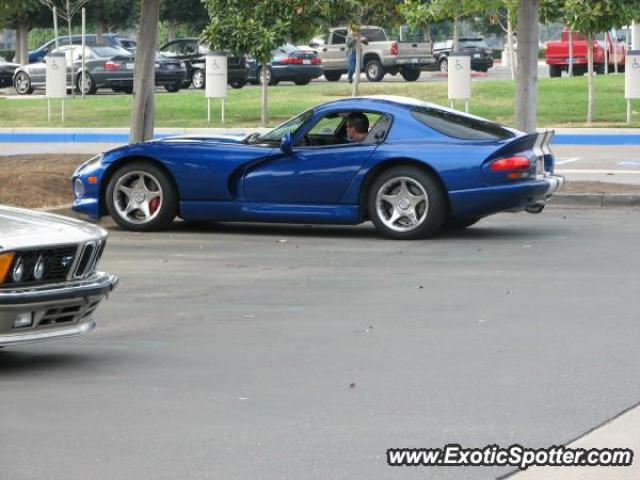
(285, 143)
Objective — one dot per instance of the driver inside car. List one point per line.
(357, 127)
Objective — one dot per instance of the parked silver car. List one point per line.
(49, 286)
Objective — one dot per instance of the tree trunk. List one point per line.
(615, 53)
(512, 56)
(590, 69)
(456, 35)
(570, 53)
(143, 114)
(101, 28)
(264, 117)
(356, 75)
(527, 66)
(22, 50)
(70, 66)
(172, 29)
(606, 53)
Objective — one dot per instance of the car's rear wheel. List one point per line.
(85, 84)
(407, 203)
(374, 70)
(410, 74)
(22, 83)
(141, 197)
(270, 80)
(332, 76)
(173, 87)
(555, 71)
(237, 83)
(197, 78)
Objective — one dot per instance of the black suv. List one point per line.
(192, 51)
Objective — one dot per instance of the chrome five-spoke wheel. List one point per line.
(137, 197)
(402, 204)
(407, 202)
(141, 196)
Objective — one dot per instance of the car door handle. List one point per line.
(415, 45)
(324, 49)
(342, 49)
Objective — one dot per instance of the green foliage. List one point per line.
(590, 16)
(186, 12)
(258, 27)
(24, 12)
(113, 15)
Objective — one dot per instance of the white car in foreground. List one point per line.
(49, 286)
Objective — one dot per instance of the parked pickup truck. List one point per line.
(558, 54)
(380, 55)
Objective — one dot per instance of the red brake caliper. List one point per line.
(154, 204)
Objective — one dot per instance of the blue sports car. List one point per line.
(409, 166)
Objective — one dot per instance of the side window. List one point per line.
(172, 49)
(339, 37)
(331, 130)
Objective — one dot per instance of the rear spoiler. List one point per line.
(538, 142)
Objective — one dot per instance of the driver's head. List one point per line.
(357, 126)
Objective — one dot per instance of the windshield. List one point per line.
(275, 135)
(473, 43)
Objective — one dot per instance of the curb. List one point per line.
(598, 200)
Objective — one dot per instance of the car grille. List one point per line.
(68, 313)
(60, 264)
(57, 264)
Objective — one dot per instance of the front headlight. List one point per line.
(183, 65)
(78, 188)
(89, 163)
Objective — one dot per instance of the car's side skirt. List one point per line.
(270, 212)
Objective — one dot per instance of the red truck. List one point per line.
(558, 54)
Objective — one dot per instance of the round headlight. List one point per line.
(18, 271)
(78, 188)
(38, 270)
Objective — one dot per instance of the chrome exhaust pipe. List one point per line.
(535, 208)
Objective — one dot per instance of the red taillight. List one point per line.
(394, 48)
(510, 164)
(291, 60)
(316, 61)
(111, 65)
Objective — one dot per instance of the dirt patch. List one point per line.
(43, 180)
(38, 180)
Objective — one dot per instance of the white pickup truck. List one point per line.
(408, 55)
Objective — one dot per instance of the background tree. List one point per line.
(258, 27)
(143, 107)
(591, 17)
(189, 12)
(110, 15)
(527, 66)
(22, 16)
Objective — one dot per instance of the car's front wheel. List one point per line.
(85, 84)
(197, 79)
(141, 197)
(407, 203)
(237, 83)
(22, 83)
(410, 74)
(444, 65)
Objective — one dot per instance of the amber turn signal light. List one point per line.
(6, 259)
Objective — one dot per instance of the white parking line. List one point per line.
(562, 161)
(629, 163)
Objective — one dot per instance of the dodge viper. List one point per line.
(420, 168)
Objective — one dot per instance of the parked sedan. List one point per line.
(481, 55)
(49, 286)
(106, 39)
(409, 166)
(104, 67)
(288, 63)
(193, 52)
(7, 71)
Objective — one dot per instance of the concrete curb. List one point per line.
(597, 200)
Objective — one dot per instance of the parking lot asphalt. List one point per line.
(233, 351)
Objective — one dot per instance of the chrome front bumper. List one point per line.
(57, 311)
